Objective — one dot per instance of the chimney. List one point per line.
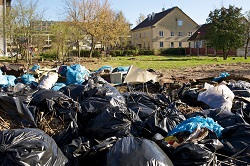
(163, 9)
(153, 15)
(149, 17)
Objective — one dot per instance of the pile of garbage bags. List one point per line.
(72, 116)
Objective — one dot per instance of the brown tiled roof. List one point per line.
(150, 22)
(200, 34)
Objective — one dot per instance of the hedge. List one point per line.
(173, 51)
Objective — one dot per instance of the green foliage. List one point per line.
(173, 51)
(86, 53)
(146, 52)
(48, 55)
(226, 30)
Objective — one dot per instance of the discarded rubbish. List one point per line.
(222, 76)
(139, 121)
(217, 97)
(35, 68)
(48, 81)
(136, 75)
(137, 152)
(76, 74)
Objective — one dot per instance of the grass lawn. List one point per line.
(169, 62)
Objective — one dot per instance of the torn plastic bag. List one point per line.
(148, 87)
(76, 92)
(237, 144)
(137, 152)
(240, 88)
(83, 151)
(18, 112)
(217, 97)
(56, 114)
(191, 154)
(163, 121)
(29, 147)
(224, 118)
(144, 105)
(48, 81)
(192, 124)
(28, 79)
(76, 74)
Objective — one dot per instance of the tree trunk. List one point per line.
(224, 54)
(92, 47)
(246, 47)
(78, 48)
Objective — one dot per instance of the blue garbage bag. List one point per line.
(193, 123)
(35, 67)
(58, 86)
(76, 74)
(11, 80)
(222, 75)
(28, 78)
(3, 80)
(109, 68)
(121, 69)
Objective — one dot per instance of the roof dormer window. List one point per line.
(179, 23)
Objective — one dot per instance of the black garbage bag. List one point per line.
(74, 91)
(15, 110)
(83, 151)
(240, 88)
(148, 87)
(29, 147)
(112, 121)
(190, 154)
(144, 105)
(224, 117)
(163, 121)
(236, 144)
(56, 114)
(242, 108)
(134, 151)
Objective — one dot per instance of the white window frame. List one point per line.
(180, 44)
(180, 33)
(171, 33)
(161, 33)
(180, 23)
(171, 46)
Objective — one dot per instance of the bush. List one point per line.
(86, 53)
(173, 51)
(48, 55)
(146, 52)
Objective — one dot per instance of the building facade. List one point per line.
(4, 4)
(170, 28)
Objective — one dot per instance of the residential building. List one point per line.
(4, 4)
(199, 40)
(170, 28)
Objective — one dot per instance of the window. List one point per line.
(161, 44)
(179, 23)
(172, 33)
(172, 44)
(190, 33)
(180, 44)
(161, 33)
(180, 34)
(189, 44)
(140, 35)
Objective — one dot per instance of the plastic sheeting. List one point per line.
(192, 124)
(217, 97)
(7, 80)
(58, 86)
(137, 152)
(123, 69)
(29, 147)
(105, 68)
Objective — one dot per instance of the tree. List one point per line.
(140, 19)
(19, 28)
(247, 34)
(226, 31)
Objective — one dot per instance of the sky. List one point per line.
(198, 10)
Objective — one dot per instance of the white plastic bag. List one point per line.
(48, 81)
(217, 97)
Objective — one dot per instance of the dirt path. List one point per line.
(199, 72)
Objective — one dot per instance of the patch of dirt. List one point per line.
(241, 70)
